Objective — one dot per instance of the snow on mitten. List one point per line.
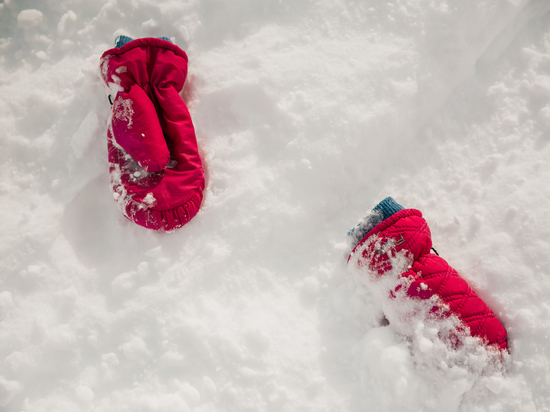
(136, 129)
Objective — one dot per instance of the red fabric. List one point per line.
(430, 274)
(151, 133)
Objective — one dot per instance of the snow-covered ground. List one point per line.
(307, 114)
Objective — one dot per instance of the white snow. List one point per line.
(30, 18)
(6, 302)
(8, 389)
(307, 114)
(149, 200)
(86, 132)
(123, 111)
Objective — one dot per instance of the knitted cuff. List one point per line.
(122, 40)
(381, 212)
(387, 207)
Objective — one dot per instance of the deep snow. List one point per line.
(307, 114)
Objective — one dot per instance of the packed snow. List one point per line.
(307, 114)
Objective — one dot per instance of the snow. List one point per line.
(307, 114)
(30, 18)
(86, 132)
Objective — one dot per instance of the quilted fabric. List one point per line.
(429, 274)
(155, 169)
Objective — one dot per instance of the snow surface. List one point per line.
(307, 114)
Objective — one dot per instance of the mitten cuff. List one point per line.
(387, 207)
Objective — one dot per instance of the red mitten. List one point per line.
(428, 275)
(155, 168)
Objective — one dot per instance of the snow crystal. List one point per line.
(84, 393)
(8, 389)
(82, 138)
(495, 384)
(155, 252)
(6, 303)
(149, 200)
(27, 19)
(135, 348)
(67, 23)
(123, 111)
